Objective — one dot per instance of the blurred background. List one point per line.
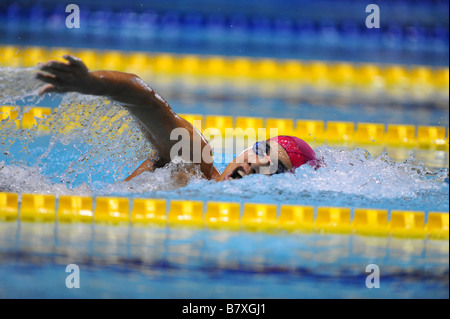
(314, 60)
(412, 31)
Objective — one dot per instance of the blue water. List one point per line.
(132, 262)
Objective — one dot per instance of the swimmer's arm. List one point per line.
(153, 113)
(155, 116)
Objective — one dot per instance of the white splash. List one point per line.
(30, 180)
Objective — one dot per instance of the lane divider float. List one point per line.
(390, 78)
(332, 132)
(254, 217)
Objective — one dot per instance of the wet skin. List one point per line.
(155, 116)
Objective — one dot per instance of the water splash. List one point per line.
(108, 140)
(94, 143)
(11, 92)
(173, 177)
(347, 172)
(30, 180)
(114, 138)
(356, 172)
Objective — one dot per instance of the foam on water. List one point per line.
(95, 144)
(11, 91)
(29, 180)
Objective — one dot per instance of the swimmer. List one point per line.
(157, 120)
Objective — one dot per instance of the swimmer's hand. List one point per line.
(72, 76)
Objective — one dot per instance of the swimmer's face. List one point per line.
(266, 157)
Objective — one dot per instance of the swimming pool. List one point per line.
(381, 199)
(174, 262)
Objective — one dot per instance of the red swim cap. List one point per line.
(299, 151)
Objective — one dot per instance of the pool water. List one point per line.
(133, 262)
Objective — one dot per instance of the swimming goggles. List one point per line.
(263, 149)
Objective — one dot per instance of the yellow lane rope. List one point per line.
(332, 132)
(269, 218)
(416, 80)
